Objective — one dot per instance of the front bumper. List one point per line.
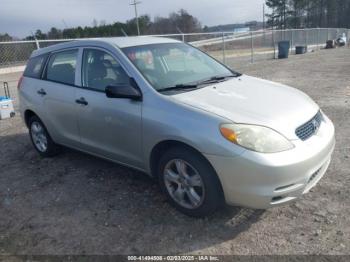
(262, 181)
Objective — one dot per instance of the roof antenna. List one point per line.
(178, 29)
(124, 33)
(36, 40)
(183, 35)
(65, 24)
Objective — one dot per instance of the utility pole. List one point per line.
(264, 26)
(284, 14)
(135, 3)
(264, 17)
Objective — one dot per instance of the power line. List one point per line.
(135, 3)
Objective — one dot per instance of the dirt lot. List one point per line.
(78, 204)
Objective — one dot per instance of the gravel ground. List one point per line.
(79, 204)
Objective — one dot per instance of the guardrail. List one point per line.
(228, 47)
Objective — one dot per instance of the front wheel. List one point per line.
(190, 182)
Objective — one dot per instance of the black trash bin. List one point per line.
(283, 49)
(299, 50)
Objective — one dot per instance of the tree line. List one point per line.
(5, 37)
(176, 22)
(308, 14)
(283, 14)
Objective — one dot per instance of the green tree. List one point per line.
(5, 37)
(278, 17)
(308, 13)
(180, 20)
(54, 33)
(40, 35)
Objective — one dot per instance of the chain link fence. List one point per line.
(231, 48)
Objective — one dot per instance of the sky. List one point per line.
(20, 17)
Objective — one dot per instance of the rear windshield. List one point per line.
(35, 66)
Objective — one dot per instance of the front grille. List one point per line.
(310, 128)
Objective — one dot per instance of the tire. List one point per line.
(41, 139)
(187, 193)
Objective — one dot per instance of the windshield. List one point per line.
(174, 64)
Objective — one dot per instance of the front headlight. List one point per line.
(257, 138)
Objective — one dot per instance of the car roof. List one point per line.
(120, 42)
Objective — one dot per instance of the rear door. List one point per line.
(110, 127)
(58, 92)
(31, 84)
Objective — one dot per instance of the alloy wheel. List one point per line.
(184, 184)
(39, 137)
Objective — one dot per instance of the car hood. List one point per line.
(255, 101)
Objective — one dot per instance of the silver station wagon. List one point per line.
(208, 134)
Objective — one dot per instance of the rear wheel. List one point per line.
(189, 182)
(41, 139)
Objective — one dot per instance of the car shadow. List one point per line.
(79, 204)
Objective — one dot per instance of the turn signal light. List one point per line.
(228, 134)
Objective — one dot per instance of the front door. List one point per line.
(108, 127)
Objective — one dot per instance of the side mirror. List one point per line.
(129, 91)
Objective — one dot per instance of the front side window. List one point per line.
(100, 70)
(172, 64)
(61, 67)
(35, 66)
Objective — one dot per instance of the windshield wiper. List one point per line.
(178, 87)
(216, 79)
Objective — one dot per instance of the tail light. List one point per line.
(20, 82)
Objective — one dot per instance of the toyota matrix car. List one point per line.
(210, 135)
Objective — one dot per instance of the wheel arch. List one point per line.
(28, 114)
(164, 145)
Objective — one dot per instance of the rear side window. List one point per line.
(61, 67)
(35, 66)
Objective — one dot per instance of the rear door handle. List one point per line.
(41, 92)
(81, 101)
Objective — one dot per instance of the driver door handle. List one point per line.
(41, 92)
(81, 101)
